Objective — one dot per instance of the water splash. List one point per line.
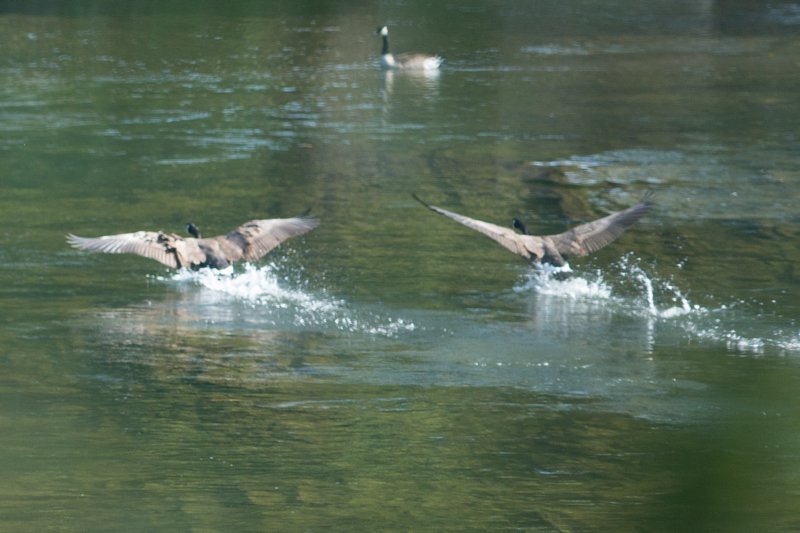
(559, 281)
(630, 287)
(280, 305)
(257, 285)
(655, 289)
(737, 341)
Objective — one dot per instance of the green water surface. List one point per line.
(393, 370)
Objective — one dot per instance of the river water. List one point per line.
(393, 370)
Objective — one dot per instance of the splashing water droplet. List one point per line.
(261, 287)
(557, 281)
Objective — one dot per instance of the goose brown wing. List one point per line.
(592, 236)
(257, 237)
(150, 244)
(506, 237)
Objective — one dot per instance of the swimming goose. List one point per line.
(405, 61)
(554, 249)
(249, 242)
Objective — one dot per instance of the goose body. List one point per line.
(554, 249)
(405, 61)
(249, 242)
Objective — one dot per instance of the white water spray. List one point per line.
(283, 306)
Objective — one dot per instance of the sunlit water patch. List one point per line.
(279, 304)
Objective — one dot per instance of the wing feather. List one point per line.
(257, 237)
(506, 237)
(148, 244)
(592, 236)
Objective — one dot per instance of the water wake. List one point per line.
(261, 288)
(566, 304)
(635, 290)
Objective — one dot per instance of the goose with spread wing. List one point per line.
(249, 242)
(554, 249)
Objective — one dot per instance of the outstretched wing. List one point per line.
(150, 244)
(257, 237)
(506, 237)
(592, 236)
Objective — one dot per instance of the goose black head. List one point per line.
(193, 230)
(383, 31)
(518, 225)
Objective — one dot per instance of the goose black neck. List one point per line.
(193, 231)
(517, 224)
(385, 49)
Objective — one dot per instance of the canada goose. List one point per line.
(405, 61)
(249, 242)
(553, 249)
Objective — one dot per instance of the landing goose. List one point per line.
(554, 249)
(249, 242)
(405, 61)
